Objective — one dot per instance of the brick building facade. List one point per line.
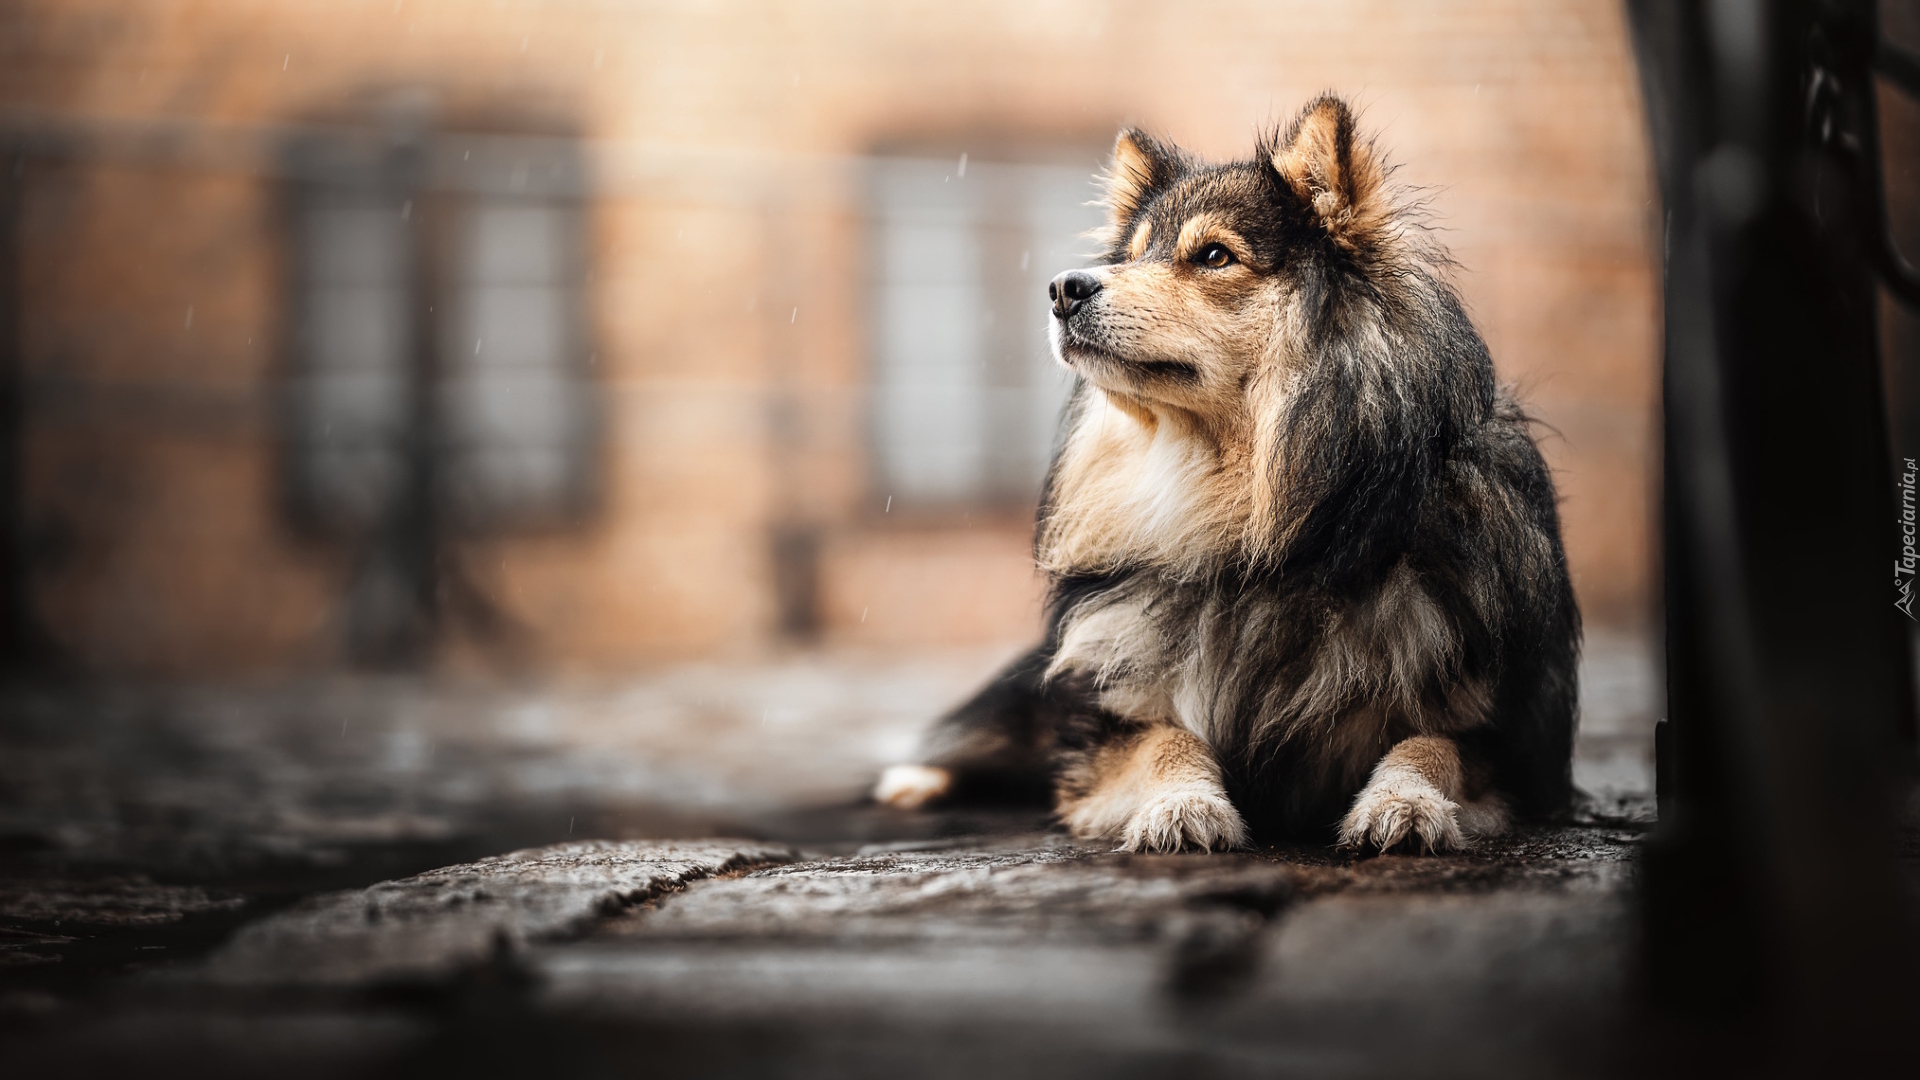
(250, 243)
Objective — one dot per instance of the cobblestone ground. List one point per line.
(367, 876)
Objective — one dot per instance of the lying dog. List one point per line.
(1306, 569)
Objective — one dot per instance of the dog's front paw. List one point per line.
(1190, 817)
(910, 787)
(1397, 804)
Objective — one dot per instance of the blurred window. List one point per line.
(516, 417)
(352, 391)
(455, 372)
(966, 395)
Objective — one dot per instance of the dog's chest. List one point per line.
(1178, 653)
(1245, 664)
(1129, 494)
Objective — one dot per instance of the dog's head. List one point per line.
(1206, 264)
(1283, 315)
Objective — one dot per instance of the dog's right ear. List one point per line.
(1337, 175)
(1142, 165)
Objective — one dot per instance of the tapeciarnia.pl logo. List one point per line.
(1903, 566)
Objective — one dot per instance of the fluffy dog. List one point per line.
(1306, 569)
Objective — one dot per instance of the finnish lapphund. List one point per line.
(1305, 561)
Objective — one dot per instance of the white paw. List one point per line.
(1397, 803)
(1190, 817)
(910, 787)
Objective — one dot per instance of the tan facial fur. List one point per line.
(1159, 466)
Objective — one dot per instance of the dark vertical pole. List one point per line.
(394, 599)
(794, 538)
(1899, 64)
(1770, 897)
(14, 584)
(416, 534)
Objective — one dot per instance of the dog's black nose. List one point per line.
(1070, 290)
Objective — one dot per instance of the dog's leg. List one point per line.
(1151, 789)
(910, 787)
(996, 743)
(1417, 790)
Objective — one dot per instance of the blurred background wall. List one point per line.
(586, 335)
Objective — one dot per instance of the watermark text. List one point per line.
(1903, 567)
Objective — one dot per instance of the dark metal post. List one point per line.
(18, 640)
(1770, 898)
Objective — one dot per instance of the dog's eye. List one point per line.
(1215, 256)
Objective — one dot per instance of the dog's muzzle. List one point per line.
(1070, 292)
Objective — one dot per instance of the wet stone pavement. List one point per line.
(374, 877)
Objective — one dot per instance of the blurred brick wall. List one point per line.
(729, 299)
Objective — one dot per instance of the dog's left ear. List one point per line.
(1336, 174)
(1142, 165)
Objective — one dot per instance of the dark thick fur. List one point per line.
(1294, 526)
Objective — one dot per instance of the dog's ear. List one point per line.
(1141, 166)
(1337, 175)
(1353, 427)
(1348, 435)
